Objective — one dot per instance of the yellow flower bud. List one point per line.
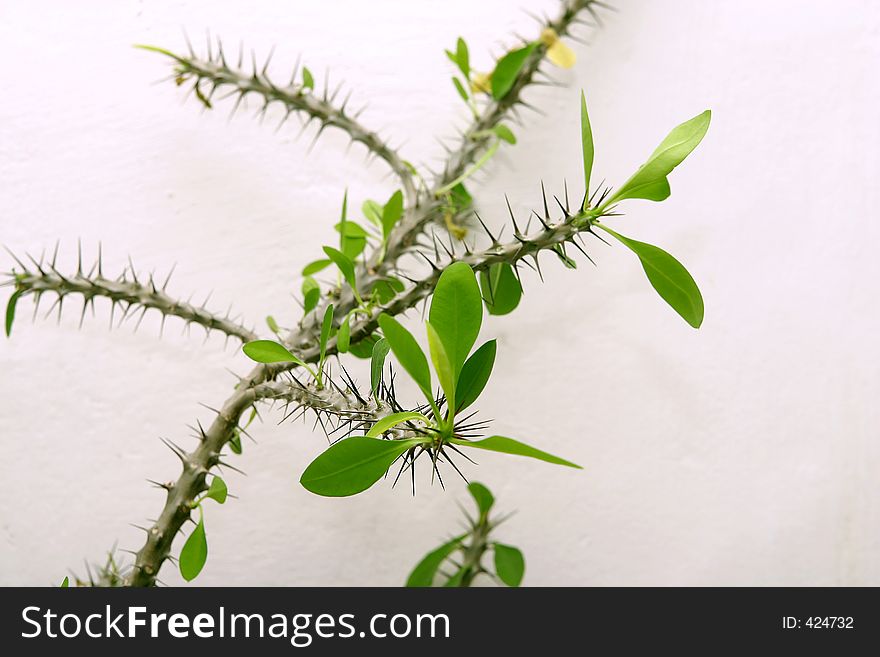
(557, 52)
(482, 82)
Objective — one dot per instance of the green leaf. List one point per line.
(455, 580)
(506, 70)
(461, 197)
(457, 312)
(503, 132)
(272, 324)
(387, 288)
(343, 336)
(308, 79)
(474, 375)
(345, 265)
(316, 266)
(10, 311)
(65, 583)
(424, 572)
(269, 351)
(462, 58)
(326, 326)
(459, 87)
(559, 250)
(587, 147)
(408, 352)
(352, 238)
(218, 490)
(194, 553)
(235, 443)
(650, 182)
(510, 566)
(669, 277)
(311, 294)
(363, 348)
(392, 212)
(502, 290)
(442, 366)
(373, 212)
(515, 447)
(390, 421)
(377, 363)
(353, 465)
(482, 496)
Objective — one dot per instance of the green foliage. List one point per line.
(510, 566)
(10, 311)
(457, 312)
(308, 79)
(218, 490)
(311, 294)
(475, 375)
(353, 465)
(65, 583)
(377, 363)
(407, 352)
(507, 69)
(426, 570)
(650, 182)
(482, 496)
(586, 147)
(194, 553)
(511, 446)
(345, 266)
(668, 277)
(391, 213)
(502, 290)
(390, 421)
(504, 133)
(269, 351)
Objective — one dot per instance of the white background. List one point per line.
(743, 453)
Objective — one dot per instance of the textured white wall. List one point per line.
(744, 453)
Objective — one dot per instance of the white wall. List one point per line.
(743, 453)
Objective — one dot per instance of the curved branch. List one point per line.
(129, 293)
(218, 75)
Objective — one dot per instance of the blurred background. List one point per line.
(745, 453)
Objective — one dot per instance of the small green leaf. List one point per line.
(669, 277)
(462, 58)
(503, 132)
(474, 375)
(343, 336)
(65, 583)
(587, 146)
(510, 566)
(650, 182)
(457, 312)
(373, 212)
(10, 311)
(456, 579)
(218, 490)
(269, 351)
(515, 447)
(507, 69)
(326, 326)
(363, 348)
(235, 443)
(194, 553)
(308, 79)
(442, 366)
(272, 324)
(392, 212)
(461, 197)
(353, 465)
(345, 265)
(482, 496)
(377, 363)
(559, 250)
(316, 266)
(390, 421)
(387, 288)
(459, 87)
(311, 294)
(502, 290)
(424, 572)
(408, 352)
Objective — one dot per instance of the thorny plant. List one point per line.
(462, 556)
(352, 313)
